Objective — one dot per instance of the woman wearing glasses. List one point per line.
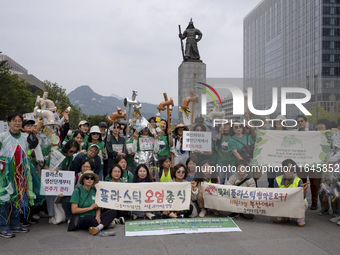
(83, 203)
(179, 173)
(68, 150)
(115, 146)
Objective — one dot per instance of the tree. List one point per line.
(15, 95)
(318, 112)
(96, 119)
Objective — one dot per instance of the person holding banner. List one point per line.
(241, 178)
(178, 155)
(205, 175)
(127, 176)
(289, 180)
(67, 151)
(142, 175)
(163, 172)
(179, 173)
(83, 203)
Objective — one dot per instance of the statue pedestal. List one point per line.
(189, 73)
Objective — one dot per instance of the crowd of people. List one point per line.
(119, 153)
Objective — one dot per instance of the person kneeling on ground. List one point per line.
(83, 203)
(241, 178)
(289, 180)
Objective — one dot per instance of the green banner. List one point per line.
(179, 226)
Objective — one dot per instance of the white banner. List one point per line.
(53, 184)
(200, 141)
(308, 147)
(278, 202)
(154, 196)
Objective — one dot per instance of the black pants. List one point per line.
(186, 213)
(90, 221)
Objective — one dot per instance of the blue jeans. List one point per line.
(14, 218)
(50, 205)
(100, 175)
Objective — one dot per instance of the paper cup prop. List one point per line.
(47, 111)
(185, 106)
(116, 116)
(161, 107)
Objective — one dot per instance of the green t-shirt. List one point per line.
(75, 198)
(224, 156)
(232, 145)
(164, 148)
(108, 178)
(101, 146)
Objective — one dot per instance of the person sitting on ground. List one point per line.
(241, 178)
(179, 173)
(83, 203)
(289, 180)
(142, 176)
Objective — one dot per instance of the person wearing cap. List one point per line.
(27, 126)
(102, 126)
(92, 153)
(83, 203)
(96, 138)
(178, 155)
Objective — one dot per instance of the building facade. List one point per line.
(293, 43)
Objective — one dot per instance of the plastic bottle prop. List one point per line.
(116, 116)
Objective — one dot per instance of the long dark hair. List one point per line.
(69, 145)
(135, 176)
(121, 171)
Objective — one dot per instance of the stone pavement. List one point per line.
(259, 236)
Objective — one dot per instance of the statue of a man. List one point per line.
(191, 49)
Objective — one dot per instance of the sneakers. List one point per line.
(19, 229)
(42, 214)
(314, 206)
(68, 222)
(335, 219)
(203, 213)
(52, 221)
(25, 223)
(150, 216)
(217, 213)
(93, 231)
(36, 217)
(233, 215)
(6, 233)
(282, 220)
(120, 220)
(133, 217)
(32, 221)
(302, 223)
(338, 223)
(112, 224)
(323, 212)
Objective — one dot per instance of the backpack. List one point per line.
(247, 151)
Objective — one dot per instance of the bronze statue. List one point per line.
(191, 49)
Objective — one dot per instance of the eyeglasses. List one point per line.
(89, 178)
(300, 121)
(29, 124)
(95, 134)
(71, 151)
(86, 166)
(236, 127)
(180, 172)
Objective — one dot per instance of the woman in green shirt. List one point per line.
(83, 203)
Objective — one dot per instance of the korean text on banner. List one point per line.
(153, 196)
(305, 148)
(197, 141)
(278, 202)
(57, 183)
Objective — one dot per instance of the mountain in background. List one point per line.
(116, 96)
(92, 103)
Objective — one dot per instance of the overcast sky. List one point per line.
(117, 46)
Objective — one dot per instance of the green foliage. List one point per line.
(95, 119)
(318, 112)
(15, 95)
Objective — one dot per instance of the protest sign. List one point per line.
(196, 141)
(57, 183)
(170, 196)
(56, 158)
(146, 143)
(279, 202)
(305, 148)
(180, 226)
(3, 126)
